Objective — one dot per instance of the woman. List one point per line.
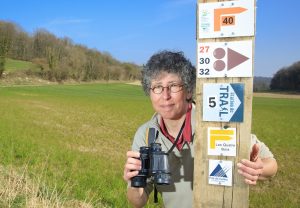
(169, 79)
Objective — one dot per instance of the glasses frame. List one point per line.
(169, 87)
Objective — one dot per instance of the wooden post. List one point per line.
(205, 194)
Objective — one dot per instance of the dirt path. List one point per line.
(276, 95)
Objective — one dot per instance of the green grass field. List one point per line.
(276, 122)
(12, 65)
(75, 138)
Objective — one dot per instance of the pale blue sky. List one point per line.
(132, 30)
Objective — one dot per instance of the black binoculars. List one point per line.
(154, 164)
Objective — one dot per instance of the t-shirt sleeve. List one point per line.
(264, 151)
(139, 139)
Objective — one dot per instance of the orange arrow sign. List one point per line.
(219, 12)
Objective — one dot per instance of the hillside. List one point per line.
(57, 59)
(12, 65)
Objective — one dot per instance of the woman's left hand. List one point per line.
(253, 168)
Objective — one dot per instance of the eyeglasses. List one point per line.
(172, 88)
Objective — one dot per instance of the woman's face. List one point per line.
(169, 105)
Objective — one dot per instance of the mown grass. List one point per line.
(77, 136)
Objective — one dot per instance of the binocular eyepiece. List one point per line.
(154, 164)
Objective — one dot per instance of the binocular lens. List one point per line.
(139, 181)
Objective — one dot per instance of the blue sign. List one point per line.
(223, 102)
(220, 172)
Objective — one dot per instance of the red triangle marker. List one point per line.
(234, 58)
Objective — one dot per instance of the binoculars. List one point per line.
(154, 164)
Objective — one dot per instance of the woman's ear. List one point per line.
(189, 96)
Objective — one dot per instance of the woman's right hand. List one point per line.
(132, 165)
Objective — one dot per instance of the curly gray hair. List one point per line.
(170, 62)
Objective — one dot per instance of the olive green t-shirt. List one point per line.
(180, 192)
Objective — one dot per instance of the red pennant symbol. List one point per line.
(234, 58)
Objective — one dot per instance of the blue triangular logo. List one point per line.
(218, 172)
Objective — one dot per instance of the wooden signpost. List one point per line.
(225, 60)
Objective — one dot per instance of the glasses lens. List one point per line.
(157, 89)
(175, 88)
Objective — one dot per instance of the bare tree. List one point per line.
(59, 58)
(7, 33)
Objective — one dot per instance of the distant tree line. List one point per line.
(287, 79)
(261, 84)
(59, 58)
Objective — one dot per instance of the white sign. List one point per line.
(221, 141)
(220, 172)
(226, 19)
(223, 102)
(225, 59)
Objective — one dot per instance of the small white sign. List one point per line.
(223, 102)
(221, 141)
(220, 172)
(226, 19)
(225, 59)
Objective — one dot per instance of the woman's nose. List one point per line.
(166, 93)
